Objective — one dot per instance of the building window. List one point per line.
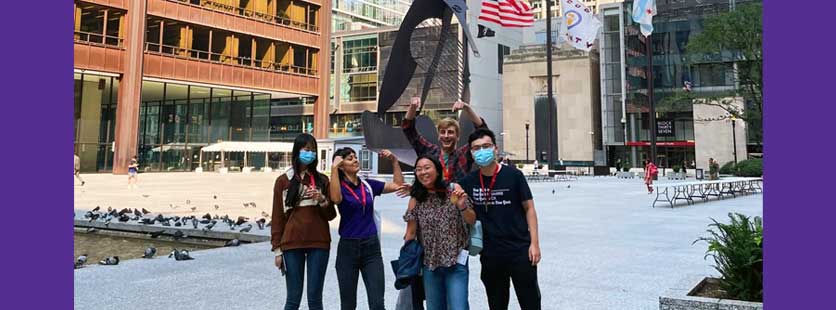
(501, 52)
(365, 160)
(360, 55)
(362, 87)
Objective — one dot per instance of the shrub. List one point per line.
(750, 168)
(737, 249)
(728, 168)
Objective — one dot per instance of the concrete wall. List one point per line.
(575, 92)
(713, 138)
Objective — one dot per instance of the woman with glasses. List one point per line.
(436, 216)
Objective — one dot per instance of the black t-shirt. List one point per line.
(504, 227)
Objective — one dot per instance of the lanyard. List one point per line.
(447, 172)
(490, 187)
(362, 191)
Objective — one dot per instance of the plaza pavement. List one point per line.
(603, 246)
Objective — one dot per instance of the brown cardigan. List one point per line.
(301, 227)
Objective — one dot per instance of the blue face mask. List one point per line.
(306, 157)
(483, 157)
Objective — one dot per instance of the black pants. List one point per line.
(355, 256)
(497, 272)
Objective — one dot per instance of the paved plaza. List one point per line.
(603, 246)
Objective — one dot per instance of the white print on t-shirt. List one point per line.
(497, 197)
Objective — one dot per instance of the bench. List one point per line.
(688, 191)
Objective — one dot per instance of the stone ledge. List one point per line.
(677, 298)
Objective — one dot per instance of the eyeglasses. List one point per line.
(479, 147)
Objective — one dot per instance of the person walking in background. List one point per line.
(358, 251)
(300, 235)
(438, 214)
(77, 168)
(650, 173)
(713, 169)
(685, 168)
(133, 169)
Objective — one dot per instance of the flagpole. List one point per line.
(549, 94)
(649, 43)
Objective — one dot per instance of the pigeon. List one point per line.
(124, 218)
(91, 230)
(147, 221)
(217, 207)
(241, 220)
(552, 191)
(109, 209)
(156, 234)
(252, 204)
(260, 223)
(94, 216)
(188, 201)
(215, 196)
(247, 229)
(173, 206)
(137, 213)
(246, 204)
(180, 255)
(96, 209)
(145, 211)
(150, 252)
(179, 235)
(159, 218)
(146, 195)
(194, 223)
(568, 186)
(194, 209)
(88, 215)
(135, 218)
(205, 221)
(167, 223)
(107, 222)
(80, 261)
(113, 260)
(209, 227)
(265, 214)
(178, 224)
(233, 242)
(207, 216)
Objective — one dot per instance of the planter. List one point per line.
(681, 297)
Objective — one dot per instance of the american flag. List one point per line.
(507, 13)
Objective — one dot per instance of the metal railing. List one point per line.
(282, 20)
(100, 39)
(244, 62)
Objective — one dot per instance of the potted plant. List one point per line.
(737, 251)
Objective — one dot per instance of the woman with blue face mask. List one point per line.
(300, 234)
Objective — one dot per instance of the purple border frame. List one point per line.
(798, 270)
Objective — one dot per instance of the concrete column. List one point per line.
(321, 117)
(130, 89)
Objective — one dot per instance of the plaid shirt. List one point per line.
(459, 163)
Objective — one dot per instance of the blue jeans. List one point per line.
(317, 261)
(446, 286)
(355, 257)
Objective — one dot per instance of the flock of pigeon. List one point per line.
(144, 217)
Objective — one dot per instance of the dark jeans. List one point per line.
(496, 273)
(317, 261)
(355, 256)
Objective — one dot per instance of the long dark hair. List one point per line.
(343, 152)
(301, 141)
(420, 192)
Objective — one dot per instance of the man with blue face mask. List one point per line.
(504, 204)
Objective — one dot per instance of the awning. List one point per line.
(240, 146)
(176, 146)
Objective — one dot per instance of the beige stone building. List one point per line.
(713, 135)
(576, 92)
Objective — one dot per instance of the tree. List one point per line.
(737, 36)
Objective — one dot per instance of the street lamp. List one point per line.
(734, 138)
(526, 140)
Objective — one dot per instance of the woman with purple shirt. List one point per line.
(358, 251)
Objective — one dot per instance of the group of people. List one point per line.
(133, 167)
(448, 194)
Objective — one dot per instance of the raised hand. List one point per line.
(337, 162)
(459, 105)
(388, 155)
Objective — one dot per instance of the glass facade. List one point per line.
(176, 121)
(673, 28)
(364, 14)
(94, 99)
